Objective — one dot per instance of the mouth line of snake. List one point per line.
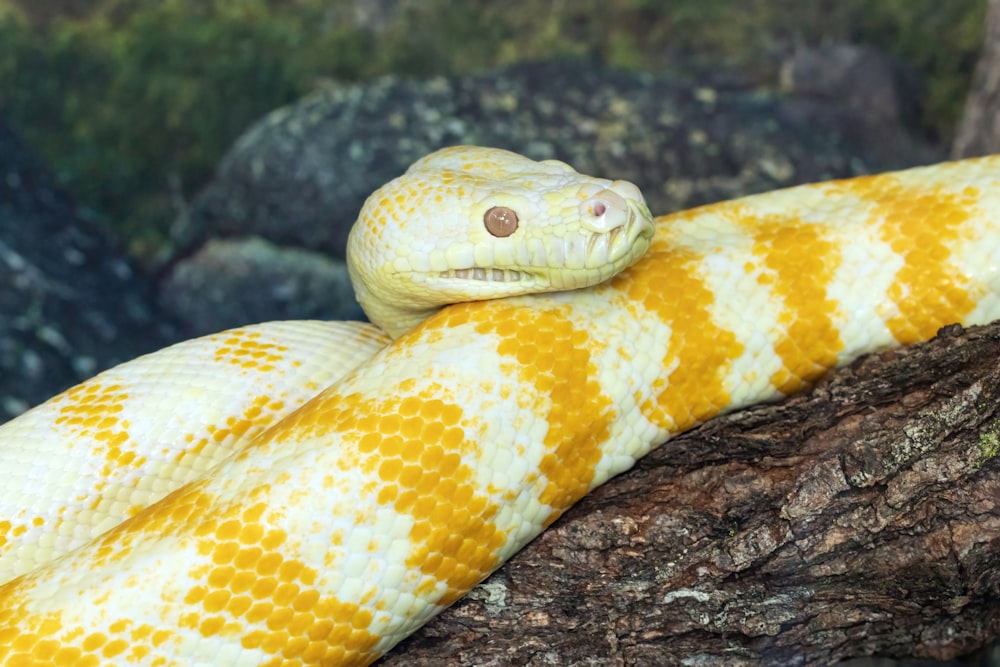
(486, 275)
(606, 239)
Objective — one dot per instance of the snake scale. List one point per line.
(308, 493)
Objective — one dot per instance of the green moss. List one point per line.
(989, 446)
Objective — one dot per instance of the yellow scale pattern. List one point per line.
(349, 522)
(118, 456)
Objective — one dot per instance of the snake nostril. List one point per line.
(604, 211)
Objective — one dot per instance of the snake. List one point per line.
(310, 493)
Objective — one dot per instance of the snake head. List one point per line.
(467, 224)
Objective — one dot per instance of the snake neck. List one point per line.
(397, 321)
(393, 318)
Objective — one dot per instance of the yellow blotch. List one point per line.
(118, 626)
(393, 434)
(114, 647)
(90, 410)
(255, 583)
(448, 509)
(45, 649)
(699, 351)
(326, 414)
(94, 642)
(228, 530)
(239, 604)
(246, 350)
(212, 626)
(802, 264)
(919, 224)
(251, 534)
(555, 358)
(36, 639)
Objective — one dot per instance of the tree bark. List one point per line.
(862, 518)
(979, 129)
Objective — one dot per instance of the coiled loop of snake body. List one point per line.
(215, 504)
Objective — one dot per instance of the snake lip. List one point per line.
(486, 275)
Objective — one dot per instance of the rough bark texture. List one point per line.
(979, 130)
(862, 518)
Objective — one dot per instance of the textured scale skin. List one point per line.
(102, 451)
(342, 527)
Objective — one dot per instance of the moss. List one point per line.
(989, 446)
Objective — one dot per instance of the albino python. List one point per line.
(308, 493)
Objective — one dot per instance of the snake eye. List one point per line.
(500, 221)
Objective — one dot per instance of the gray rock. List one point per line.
(71, 303)
(230, 282)
(858, 78)
(300, 175)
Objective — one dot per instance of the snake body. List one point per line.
(324, 529)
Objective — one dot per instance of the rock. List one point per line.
(859, 78)
(71, 303)
(300, 175)
(230, 282)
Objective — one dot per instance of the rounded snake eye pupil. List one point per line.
(500, 221)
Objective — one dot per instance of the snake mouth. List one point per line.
(486, 275)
